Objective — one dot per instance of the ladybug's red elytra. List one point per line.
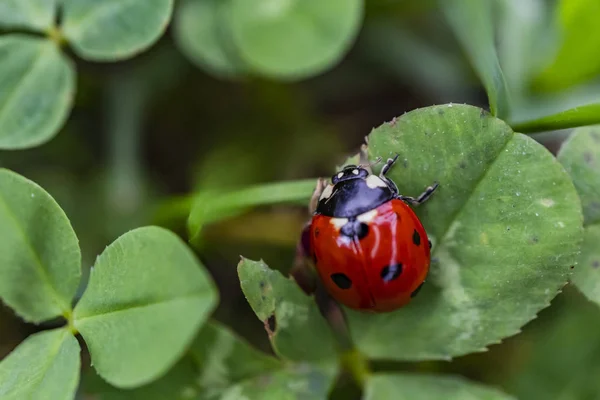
(369, 247)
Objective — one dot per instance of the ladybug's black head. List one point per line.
(350, 172)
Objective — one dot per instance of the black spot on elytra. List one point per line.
(416, 238)
(314, 257)
(429, 242)
(417, 290)
(317, 232)
(462, 165)
(271, 323)
(391, 272)
(595, 264)
(261, 284)
(341, 280)
(572, 267)
(355, 229)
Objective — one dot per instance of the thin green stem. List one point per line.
(357, 365)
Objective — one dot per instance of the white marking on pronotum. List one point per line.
(326, 192)
(374, 181)
(340, 175)
(368, 216)
(338, 222)
(355, 171)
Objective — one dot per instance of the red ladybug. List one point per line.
(370, 249)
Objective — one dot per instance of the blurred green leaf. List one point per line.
(428, 387)
(580, 155)
(559, 359)
(292, 319)
(296, 382)
(202, 34)
(506, 225)
(294, 39)
(40, 261)
(213, 206)
(177, 384)
(525, 38)
(146, 299)
(37, 84)
(32, 14)
(576, 59)
(586, 114)
(587, 275)
(44, 366)
(113, 30)
(472, 23)
(224, 359)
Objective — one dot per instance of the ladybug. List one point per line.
(368, 246)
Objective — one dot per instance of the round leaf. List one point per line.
(506, 225)
(32, 14)
(201, 32)
(37, 84)
(112, 30)
(145, 301)
(428, 387)
(40, 261)
(177, 384)
(44, 366)
(580, 155)
(294, 324)
(587, 276)
(294, 38)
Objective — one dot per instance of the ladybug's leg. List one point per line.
(423, 197)
(386, 168)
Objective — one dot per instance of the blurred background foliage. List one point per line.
(187, 117)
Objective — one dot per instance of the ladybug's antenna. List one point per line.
(372, 163)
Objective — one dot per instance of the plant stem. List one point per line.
(357, 365)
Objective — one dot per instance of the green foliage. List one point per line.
(427, 387)
(558, 356)
(221, 365)
(575, 60)
(37, 15)
(292, 319)
(282, 39)
(45, 366)
(202, 35)
(210, 206)
(580, 155)
(157, 302)
(473, 25)
(37, 84)
(40, 262)
(114, 29)
(506, 222)
(37, 81)
(506, 230)
(294, 38)
(146, 299)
